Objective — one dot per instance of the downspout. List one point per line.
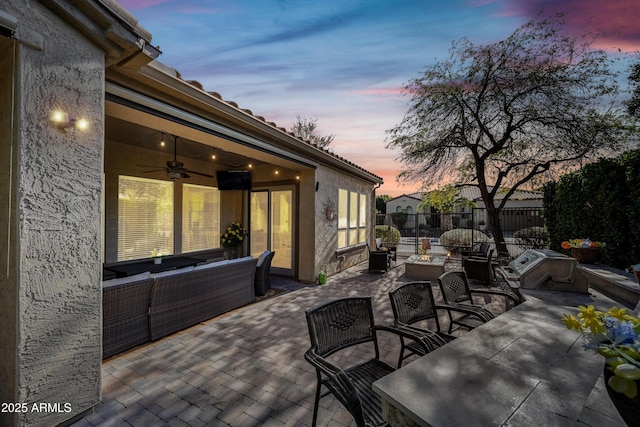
(372, 237)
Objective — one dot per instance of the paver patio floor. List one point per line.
(245, 368)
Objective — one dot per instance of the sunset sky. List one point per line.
(344, 61)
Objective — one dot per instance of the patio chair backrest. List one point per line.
(484, 248)
(341, 323)
(480, 269)
(413, 302)
(454, 287)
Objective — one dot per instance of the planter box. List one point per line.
(586, 255)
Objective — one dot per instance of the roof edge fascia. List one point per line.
(109, 26)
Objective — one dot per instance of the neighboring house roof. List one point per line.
(471, 192)
(411, 196)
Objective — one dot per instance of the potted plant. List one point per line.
(233, 237)
(157, 256)
(482, 224)
(614, 335)
(584, 250)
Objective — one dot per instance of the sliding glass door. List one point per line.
(272, 226)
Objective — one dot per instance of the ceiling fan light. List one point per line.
(174, 175)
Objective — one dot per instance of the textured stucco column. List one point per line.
(307, 227)
(54, 252)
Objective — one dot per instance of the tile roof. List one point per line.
(471, 192)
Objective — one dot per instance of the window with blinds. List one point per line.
(200, 217)
(352, 219)
(145, 217)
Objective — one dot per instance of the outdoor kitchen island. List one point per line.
(518, 369)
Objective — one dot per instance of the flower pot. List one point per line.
(157, 260)
(628, 408)
(586, 255)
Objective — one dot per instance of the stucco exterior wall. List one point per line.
(8, 290)
(57, 248)
(326, 235)
(403, 202)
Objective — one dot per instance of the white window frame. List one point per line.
(352, 218)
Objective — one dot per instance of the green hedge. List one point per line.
(601, 202)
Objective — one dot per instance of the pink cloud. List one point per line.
(615, 23)
(378, 91)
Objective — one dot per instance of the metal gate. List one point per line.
(522, 228)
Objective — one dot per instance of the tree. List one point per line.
(505, 115)
(445, 200)
(381, 203)
(633, 105)
(306, 129)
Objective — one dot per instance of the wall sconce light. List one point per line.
(63, 121)
(213, 155)
(162, 143)
(250, 164)
(276, 171)
(297, 176)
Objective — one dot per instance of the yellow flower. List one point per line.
(619, 313)
(572, 322)
(592, 319)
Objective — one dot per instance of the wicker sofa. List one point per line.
(148, 307)
(187, 298)
(125, 313)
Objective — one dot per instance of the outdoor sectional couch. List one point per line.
(125, 313)
(150, 307)
(181, 300)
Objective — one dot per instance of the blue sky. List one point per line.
(344, 61)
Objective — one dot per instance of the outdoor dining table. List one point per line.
(125, 270)
(522, 368)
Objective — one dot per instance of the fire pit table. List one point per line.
(420, 268)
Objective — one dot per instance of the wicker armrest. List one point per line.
(338, 382)
(435, 339)
(472, 310)
(321, 363)
(510, 295)
(409, 333)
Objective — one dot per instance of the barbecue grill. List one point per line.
(546, 270)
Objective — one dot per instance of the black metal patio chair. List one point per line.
(379, 260)
(336, 326)
(459, 303)
(481, 251)
(480, 270)
(413, 303)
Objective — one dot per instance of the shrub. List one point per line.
(461, 237)
(399, 219)
(382, 231)
(532, 237)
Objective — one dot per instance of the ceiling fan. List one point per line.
(175, 169)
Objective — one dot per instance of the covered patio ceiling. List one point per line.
(144, 129)
(140, 136)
